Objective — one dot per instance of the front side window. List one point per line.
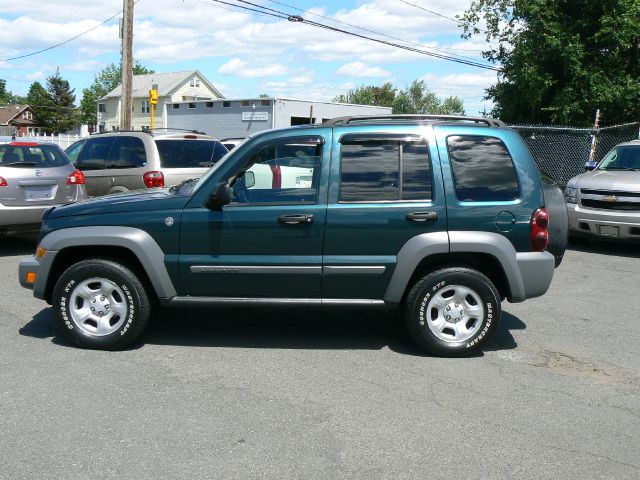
(74, 150)
(282, 173)
(483, 170)
(94, 154)
(384, 170)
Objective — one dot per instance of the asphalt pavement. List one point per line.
(284, 394)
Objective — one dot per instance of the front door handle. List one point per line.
(422, 216)
(293, 219)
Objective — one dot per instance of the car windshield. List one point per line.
(32, 155)
(622, 158)
(189, 153)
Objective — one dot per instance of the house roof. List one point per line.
(9, 112)
(167, 84)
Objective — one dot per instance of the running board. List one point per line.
(270, 302)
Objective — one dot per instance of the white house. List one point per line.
(172, 87)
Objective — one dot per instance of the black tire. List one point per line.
(420, 310)
(127, 295)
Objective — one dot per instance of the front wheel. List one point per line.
(452, 311)
(101, 304)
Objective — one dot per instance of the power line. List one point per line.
(66, 41)
(430, 11)
(375, 32)
(297, 18)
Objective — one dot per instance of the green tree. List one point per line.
(561, 59)
(7, 97)
(42, 105)
(416, 98)
(64, 115)
(105, 81)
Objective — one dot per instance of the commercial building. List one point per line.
(224, 118)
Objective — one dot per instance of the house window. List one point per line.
(176, 106)
(27, 115)
(102, 107)
(226, 104)
(244, 103)
(192, 105)
(209, 105)
(195, 82)
(265, 103)
(146, 107)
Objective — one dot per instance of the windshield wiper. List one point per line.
(19, 164)
(175, 188)
(628, 169)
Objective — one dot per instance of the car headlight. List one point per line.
(570, 194)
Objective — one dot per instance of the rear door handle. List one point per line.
(293, 219)
(422, 216)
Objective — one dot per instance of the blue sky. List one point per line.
(244, 53)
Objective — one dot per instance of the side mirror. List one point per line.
(220, 196)
(590, 166)
(249, 179)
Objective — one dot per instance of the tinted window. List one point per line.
(127, 152)
(370, 171)
(482, 168)
(282, 173)
(74, 150)
(38, 156)
(94, 154)
(189, 153)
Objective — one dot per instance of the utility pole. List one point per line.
(127, 64)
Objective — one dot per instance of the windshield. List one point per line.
(28, 156)
(189, 153)
(622, 158)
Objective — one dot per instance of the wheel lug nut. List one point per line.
(102, 298)
(448, 308)
(93, 309)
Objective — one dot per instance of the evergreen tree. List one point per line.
(64, 115)
(42, 105)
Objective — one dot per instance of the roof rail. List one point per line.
(118, 131)
(490, 122)
(171, 129)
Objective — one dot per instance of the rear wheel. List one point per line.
(101, 304)
(452, 311)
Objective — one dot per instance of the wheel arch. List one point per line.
(135, 246)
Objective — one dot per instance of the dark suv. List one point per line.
(441, 217)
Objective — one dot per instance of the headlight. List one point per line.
(570, 194)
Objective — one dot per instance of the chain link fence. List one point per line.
(561, 152)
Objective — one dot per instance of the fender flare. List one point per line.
(139, 242)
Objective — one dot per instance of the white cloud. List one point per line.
(362, 70)
(238, 67)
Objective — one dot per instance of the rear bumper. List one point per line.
(588, 222)
(20, 217)
(536, 270)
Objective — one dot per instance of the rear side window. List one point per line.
(127, 152)
(483, 169)
(385, 170)
(94, 154)
(189, 153)
(32, 156)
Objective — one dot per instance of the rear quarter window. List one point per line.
(483, 169)
(189, 153)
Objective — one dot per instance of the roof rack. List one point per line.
(151, 131)
(490, 122)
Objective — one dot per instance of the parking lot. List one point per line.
(334, 394)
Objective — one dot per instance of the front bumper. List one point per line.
(589, 222)
(41, 267)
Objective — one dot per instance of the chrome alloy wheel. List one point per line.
(455, 313)
(98, 306)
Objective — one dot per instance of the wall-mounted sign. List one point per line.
(255, 116)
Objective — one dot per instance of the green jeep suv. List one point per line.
(439, 217)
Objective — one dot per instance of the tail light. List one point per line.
(76, 178)
(539, 230)
(153, 179)
(3, 182)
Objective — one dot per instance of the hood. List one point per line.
(136, 201)
(615, 180)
